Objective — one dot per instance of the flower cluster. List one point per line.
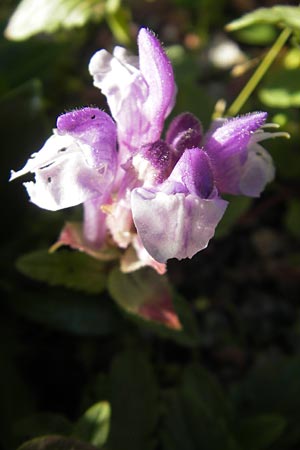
(153, 198)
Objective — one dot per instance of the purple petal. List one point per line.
(176, 225)
(185, 131)
(226, 147)
(75, 165)
(256, 172)
(193, 171)
(158, 74)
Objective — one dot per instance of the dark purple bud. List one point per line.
(185, 131)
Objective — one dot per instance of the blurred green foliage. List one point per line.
(83, 372)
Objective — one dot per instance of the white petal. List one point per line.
(55, 149)
(114, 77)
(62, 185)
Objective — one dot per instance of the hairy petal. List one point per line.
(226, 147)
(175, 225)
(153, 162)
(158, 74)
(96, 132)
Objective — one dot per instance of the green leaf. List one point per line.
(38, 16)
(284, 16)
(201, 387)
(119, 23)
(93, 426)
(134, 403)
(144, 293)
(55, 443)
(257, 34)
(237, 206)
(258, 433)
(281, 89)
(68, 311)
(73, 270)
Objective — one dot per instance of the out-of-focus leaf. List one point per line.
(199, 416)
(209, 397)
(284, 16)
(68, 311)
(258, 34)
(21, 113)
(282, 89)
(40, 425)
(176, 434)
(292, 218)
(73, 270)
(56, 443)
(38, 16)
(259, 432)
(287, 158)
(31, 60)
(145, 294)
(93, 426)
(118, 18)
(236, 208)
(274, 389)
(191, 96)
(134, 403)
(97, 389)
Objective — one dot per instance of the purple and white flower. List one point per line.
(153, 198)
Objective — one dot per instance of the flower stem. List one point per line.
(259, 73)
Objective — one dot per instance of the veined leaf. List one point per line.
(70, 269)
